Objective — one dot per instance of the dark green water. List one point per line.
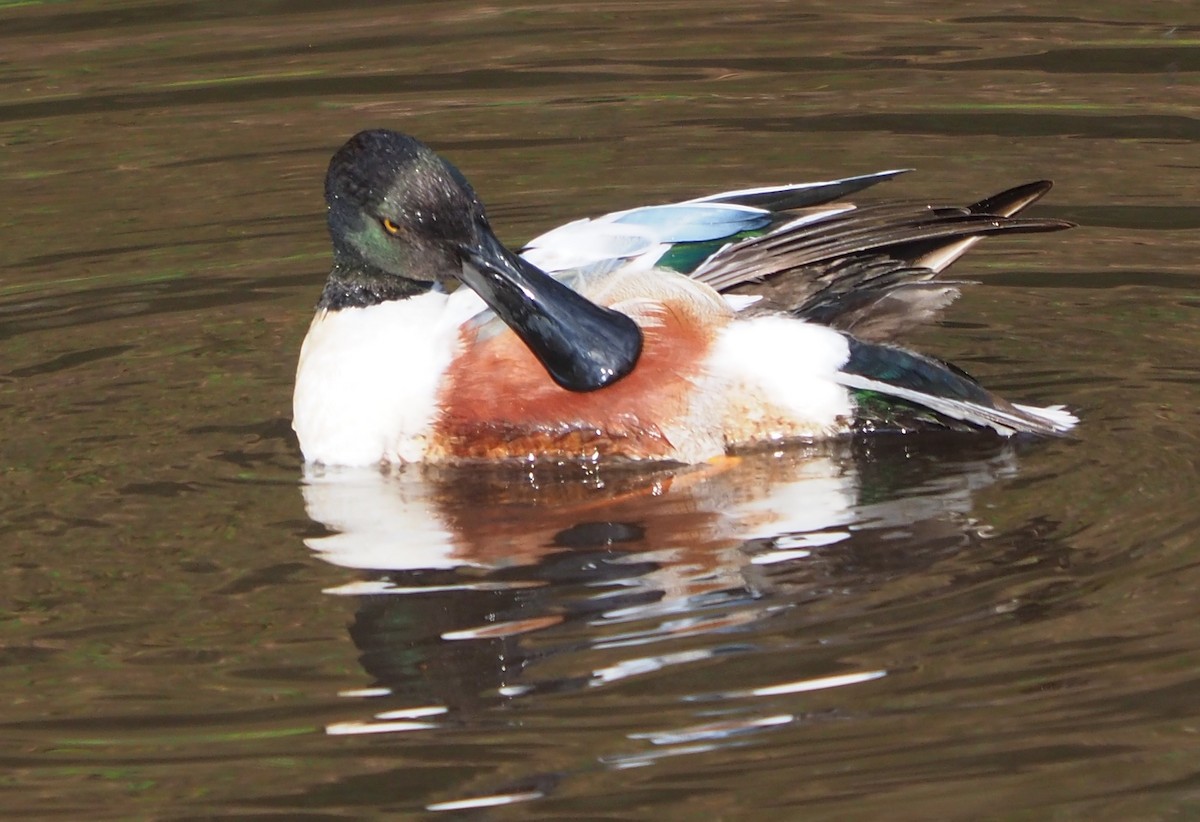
(933, 628)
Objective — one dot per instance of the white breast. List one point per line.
(367, 380)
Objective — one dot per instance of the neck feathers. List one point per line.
(360, 285)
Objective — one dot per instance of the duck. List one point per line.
(680, 332)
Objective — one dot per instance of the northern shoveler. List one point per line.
(672, 332)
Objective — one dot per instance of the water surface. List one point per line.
(195, 627)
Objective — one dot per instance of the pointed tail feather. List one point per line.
(1008, 203)
(1013, 200)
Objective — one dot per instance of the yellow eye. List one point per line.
(390, 227)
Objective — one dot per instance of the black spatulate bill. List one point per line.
(583, 346)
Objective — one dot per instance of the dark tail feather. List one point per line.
(1009, 203)
(1014, 200)
(944, 390)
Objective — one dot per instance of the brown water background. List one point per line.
(932, 628)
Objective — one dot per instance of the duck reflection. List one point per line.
(482, 584)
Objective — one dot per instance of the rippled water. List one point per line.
(913, 628)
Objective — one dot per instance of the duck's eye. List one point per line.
(389, 226)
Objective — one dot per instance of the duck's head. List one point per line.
(401, 214)
(396, 206)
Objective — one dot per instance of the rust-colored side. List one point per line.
(498, 401)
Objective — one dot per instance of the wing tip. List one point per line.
(1056, 419)
(1013, 200)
